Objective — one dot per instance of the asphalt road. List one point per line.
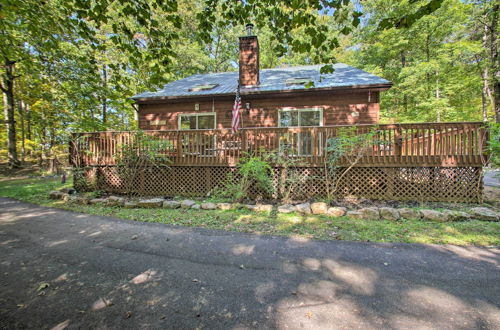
(113, 274)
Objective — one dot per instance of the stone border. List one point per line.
(316, 208)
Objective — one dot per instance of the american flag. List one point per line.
(235, 123)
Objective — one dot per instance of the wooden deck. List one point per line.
(395, 145)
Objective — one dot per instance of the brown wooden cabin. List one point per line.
(282, 97)
(296, 107)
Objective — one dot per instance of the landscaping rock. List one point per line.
(75, 199)
(130, 204)
(150, 203)
(484, 213)
(304, 208)
(224, 206)
(56, 194)
(263, 208)
(98, 201)
(196, 206)
(208, 206)
(355, 214)
(407, 213)
(286, 208)
(115, 201)
(433, 215)
(68, 190)
(457, 215)
(319, 208)
(370, 213)
(187, 203)
(336, 211)
(248, 207)
(389, 213)
(171, 204)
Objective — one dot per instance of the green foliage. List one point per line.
(253, 172)
(141, 154)
(494, 144)
(319, 227)
(346, 148)
(290, 177)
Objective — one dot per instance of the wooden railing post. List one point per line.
(314, 144)
(179, 146)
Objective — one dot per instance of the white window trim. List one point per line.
(196, 114)
(289, 109)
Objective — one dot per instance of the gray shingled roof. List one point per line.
(270, 80)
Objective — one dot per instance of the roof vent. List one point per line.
(298, 81)
(205, 87)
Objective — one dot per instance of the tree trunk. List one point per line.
(23, 131)
(104, 98)
(9, 103)
(405, 97)
(495, 72)
(28, 121)
(438, 96)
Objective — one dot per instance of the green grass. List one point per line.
(319, 227)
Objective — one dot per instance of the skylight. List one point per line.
(205, 87)
(298, 81)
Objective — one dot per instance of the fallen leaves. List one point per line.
(42, 286)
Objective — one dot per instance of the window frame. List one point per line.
(300, 146)
(318, 109)
(196, 114)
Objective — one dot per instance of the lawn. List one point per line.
(308, 226)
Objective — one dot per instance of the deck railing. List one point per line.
(394, 145)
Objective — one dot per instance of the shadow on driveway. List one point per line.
(61, 269)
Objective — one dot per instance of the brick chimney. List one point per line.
(249, 59)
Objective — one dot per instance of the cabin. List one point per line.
(298, 96)
(297, 109)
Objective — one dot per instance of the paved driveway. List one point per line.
(107, 273)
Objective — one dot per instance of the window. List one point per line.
(300, 144)
(301, 117)
(298, 81)
(204, 120)
(205, 87)
(198, 144)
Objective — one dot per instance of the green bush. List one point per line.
(494, 144)
(253, 172)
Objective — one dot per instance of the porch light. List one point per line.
(247, 106)
(196, 107)
(249, 28)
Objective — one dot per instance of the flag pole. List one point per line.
(241, 108)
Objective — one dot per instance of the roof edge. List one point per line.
(377, 87)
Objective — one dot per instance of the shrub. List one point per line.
(253, 172)
(141, 154)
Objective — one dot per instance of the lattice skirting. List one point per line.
(450, 184)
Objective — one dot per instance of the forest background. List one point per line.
(72, 65)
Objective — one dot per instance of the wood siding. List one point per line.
(337, 107)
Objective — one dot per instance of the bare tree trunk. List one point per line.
(23, 132)
(438, 96)
(405, 97)
(484, 103)
(494, 61)
(7, 87)
(104, 98)
(28, 121)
